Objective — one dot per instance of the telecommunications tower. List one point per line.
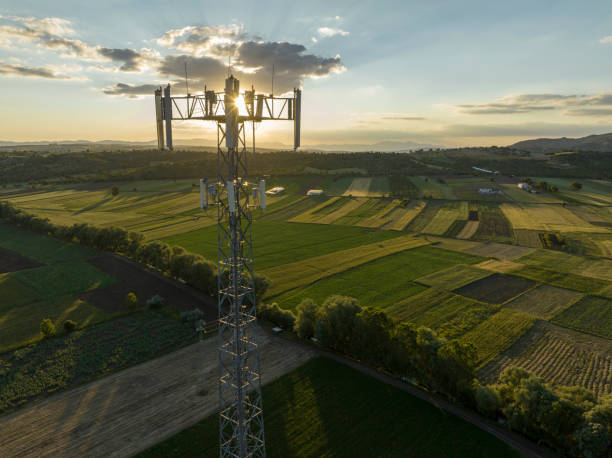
(241, 425)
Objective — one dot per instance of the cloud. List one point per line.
(55, 34)
(606, 40)
(220, 40)
(30, 72)
(526, 103)
(589, 112)
(330, 32)
(403, 118)
(131, 91)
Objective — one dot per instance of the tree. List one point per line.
(488, 401)
(47, 328)
(306, 314)
(70, 326)
(131, 301)
(115, 191)
(576, 186)
(335, 322)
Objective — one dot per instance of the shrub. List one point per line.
(47, 328)
(192, 316)
(70, 325)
(488, 401)
(156, 302)
(280, 317)
(115, 191)
(131, 301)
(576, 186)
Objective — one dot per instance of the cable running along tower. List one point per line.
(241, 425)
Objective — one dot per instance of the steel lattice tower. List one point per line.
(241, 426)
(241, 423)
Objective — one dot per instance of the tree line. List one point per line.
(174, 261)
(568, 419)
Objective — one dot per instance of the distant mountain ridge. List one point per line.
(600, 143)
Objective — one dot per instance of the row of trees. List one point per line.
(568, 419)
(173, 261)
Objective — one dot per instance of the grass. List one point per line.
(379, 283)
(563, 280)
(425, 216)
(545, 301)
(454, 277)
(432, 188)
(401, 186)
(297, 274)
(369, 214)
(326, 409)
(278, 243)
(39, 247)
(498, 333)
(563, 262)
(51, 291)
(65, 361)
(591, 314)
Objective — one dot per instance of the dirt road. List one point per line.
(134, 409)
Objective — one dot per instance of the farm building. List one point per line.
(275, 191)
(315, 192)
(524, 186)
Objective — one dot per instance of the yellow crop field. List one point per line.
(382, 217)
(399, 218)
(468, 230)
(516, 194)
(465, 246)
(445, 217)
(454, 277)
(289, 276)
(310, 215)
(348, 207)
(547, 218)
(499, 266)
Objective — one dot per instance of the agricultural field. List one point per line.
(278, 243)
(343, 422)
(451, 315)
(496, 288)
(454, 277)
(545, 301)
(433, 188)
(560, 356)
(498, 333)
(492, 224)
(591, 314)
(368, 187)
(379, 283)
(51, 365)
(445, 217)
(564, 262)
(50, 288)
(546, 217)
(302, 273)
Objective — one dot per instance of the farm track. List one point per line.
(134, 409)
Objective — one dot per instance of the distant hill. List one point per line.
(600, 143)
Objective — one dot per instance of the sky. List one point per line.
(447, 73)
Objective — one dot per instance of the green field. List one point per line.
(63, 362)
(277, 243)
(382, 282)
(326, 409)
(50, 291)
(454, 277)
(591, 314)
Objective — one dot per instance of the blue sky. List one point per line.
(448, 73)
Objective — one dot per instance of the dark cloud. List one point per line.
(32, 72)
(132, 60)
(132, 91)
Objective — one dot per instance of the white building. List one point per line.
(275, 191)
(315, 192)
(524, 186)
